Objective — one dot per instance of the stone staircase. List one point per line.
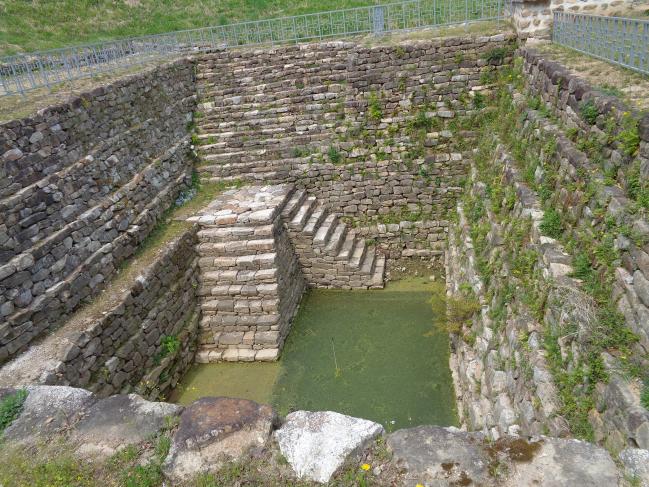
(265, 121)
(259, 247)
(331, 254)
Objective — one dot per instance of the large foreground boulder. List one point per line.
(431, 455)
(116, 422)
(317, 444)
(48, 412)
(215, 429)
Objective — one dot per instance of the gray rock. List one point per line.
(317, 444)
(566, 463)
(213, 429)
(433, 455)
(48, 411)
(636, 465)
(441, 456)
(113, 423)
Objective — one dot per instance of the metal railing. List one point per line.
(619, 40)
(25, 72)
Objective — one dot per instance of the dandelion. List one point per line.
(419, 485)
(365, 466)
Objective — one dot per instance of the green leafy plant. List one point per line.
(374, 107)
(10, 408)
(334, 155)
(551, 224)
(628, 137)
(478, 100)
(589, 112)
(644, 394)
(497, 54)
(421, 121)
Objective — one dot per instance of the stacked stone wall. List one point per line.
(144, 342)
(83, 184)
(604, 207)
(501, 376)
(584, 156)
(340, 120)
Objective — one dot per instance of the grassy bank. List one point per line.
(43, 24)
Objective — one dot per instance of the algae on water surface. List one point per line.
(372, 354)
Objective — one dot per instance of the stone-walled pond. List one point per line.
(372, 354)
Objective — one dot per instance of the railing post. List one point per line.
(378, 20)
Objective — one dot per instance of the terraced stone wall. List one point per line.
(602, 147)
(148, 339)
(378, 132)
(82, 185)
(553, 243)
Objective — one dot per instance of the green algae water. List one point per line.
(372, 354)
(254, 381)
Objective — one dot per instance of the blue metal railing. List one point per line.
(25, 72)
(618, 40)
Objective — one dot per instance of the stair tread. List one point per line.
(324, 231)
(294, 204)
(337, 239)
(347, 248)
(314, 220)
(359, 253)
(304, 213)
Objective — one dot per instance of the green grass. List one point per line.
(10, 408)
(45, 24)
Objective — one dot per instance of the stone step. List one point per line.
(316, 218)
(234, 276)
(337, 239)
(240, 305)
(231, 319)
(232, 290)
(235, 247)
(321, 237)
(303, 214)
(288, 144)
(226, 234)
(261, 177)
(367, 267)
(286, 110)
(268, 93)
(358, 255)
(347, 248)
(294, 204)
(243, 262)
(378, 277)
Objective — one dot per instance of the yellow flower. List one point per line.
(365, 466)
(419, 485)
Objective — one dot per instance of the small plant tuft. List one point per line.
(551, 224)
(589, 112)
(334, 155)
(10, 408)
(374, 107)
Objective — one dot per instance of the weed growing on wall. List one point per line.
(628, 137)
(551, 224)
(374, 110)
(589, 112)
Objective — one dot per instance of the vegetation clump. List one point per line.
(10, 407)
(589, 112)
(374, 110)
(551, 224)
